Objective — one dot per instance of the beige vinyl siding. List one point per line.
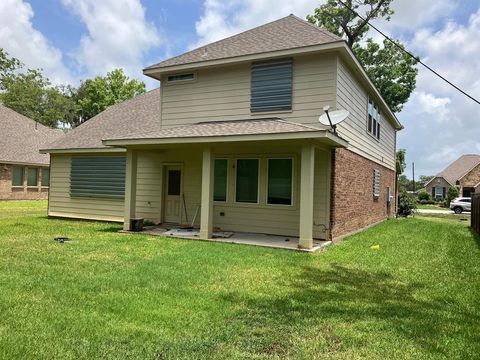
(352, 96)
(149, 186)
(61, 204)
(223, 93)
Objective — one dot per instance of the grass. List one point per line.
(430, 207)
(115, 296)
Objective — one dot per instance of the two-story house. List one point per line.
(232, 134)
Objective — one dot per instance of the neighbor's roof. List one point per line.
(286, 33)
(139, 114)
(459, 168)
(22, 138)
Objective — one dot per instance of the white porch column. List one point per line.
(130, 188)
(306, 196)
(206, 214)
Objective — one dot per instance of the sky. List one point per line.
(79, 39)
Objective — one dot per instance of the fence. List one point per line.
(476, 213)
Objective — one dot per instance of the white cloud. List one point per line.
(118, 35)
(223, 18)
(440, 123)
(21, 40)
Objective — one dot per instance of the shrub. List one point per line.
(427, 202)
(452, 194)
(406, 204)
(423, 195)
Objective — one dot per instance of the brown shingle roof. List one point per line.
(22, 138)
(140, 114)
(286, 33)
(222, 128)
(459, 168)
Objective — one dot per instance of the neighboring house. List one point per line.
(463, 173)
(233, 134)
(24, 172)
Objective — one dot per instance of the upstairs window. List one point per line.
(373, 125)
(271, 86)
(180, 77)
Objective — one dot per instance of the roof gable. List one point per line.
(22, 138)
(289, 32)
(460, 167)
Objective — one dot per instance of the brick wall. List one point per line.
(7, 192)
(471, 179)
(353, 206)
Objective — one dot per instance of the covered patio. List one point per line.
(187, 155)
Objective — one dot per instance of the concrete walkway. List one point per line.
(433, 211)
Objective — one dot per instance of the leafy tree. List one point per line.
(401, 161)
(406, 204)
(95, 95)
(423, 180)
(32, 95)
(391, 70)
(8, 66)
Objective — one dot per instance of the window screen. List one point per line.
(271, 86)
(220, 180)
(247, 181)
(279, 181)
(181, 77)
(45, 177)
(32, 178)
(17, 176)
(376, 183)
(97, 176)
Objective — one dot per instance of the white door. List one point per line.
(173, 191)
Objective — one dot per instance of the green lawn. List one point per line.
(430, 207)
(113, 296)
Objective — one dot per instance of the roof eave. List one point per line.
(156, 71)
(328, 137)
(81, 150)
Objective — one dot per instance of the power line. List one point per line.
(410, 54)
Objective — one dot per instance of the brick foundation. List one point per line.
(353, 206)
(7, 192)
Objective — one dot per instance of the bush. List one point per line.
(427, 202)
(406, 204)
(423, 195)
(452, 194)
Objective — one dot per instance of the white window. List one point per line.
(373, 122)
(376, 183)
(438, 191)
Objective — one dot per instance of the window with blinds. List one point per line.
(97, 176)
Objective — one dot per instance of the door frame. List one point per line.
(166, 168)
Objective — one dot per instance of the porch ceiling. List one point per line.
(230, 131)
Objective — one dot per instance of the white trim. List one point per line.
(82, 150)
(258, 180)
(292, 204)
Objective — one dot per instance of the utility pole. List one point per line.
(413, 176)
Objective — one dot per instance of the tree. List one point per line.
(423, 180)
(95, 95)
(8, 66)
(32, 95)
(401, 161)
(391, 70)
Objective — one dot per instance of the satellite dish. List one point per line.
(333, 118)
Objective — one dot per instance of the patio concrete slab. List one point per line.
(265, 240)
